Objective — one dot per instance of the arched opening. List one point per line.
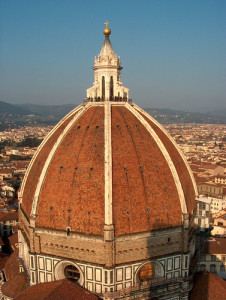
(213, 268)
(72, 272)
(111, 88)
(202, 267)
(68, 269)
(103, 87)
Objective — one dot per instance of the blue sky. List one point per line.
(172, 51)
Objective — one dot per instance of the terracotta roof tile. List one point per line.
(3, 261)
(36, 170)
(13, 239)
(74, 183)
(56, 290)
(215, 246)
(6, 171)
(208, 286)
(12, 266)
(182, 170)
(9, 216)
(144, 193)
(14, 286)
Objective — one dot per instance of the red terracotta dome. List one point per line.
(108, 197)
(108, 163)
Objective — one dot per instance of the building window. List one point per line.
(111, 276)
(32, 263)
(203, 258)
(213, 258)
(186, 262)
(32, 277)
(103, 87)
(202, 267)
(222, 268)
(213, 268)
(72, 272)
(68, 229)
(106, 276)
(111, 88)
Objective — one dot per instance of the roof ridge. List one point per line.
(51, 291)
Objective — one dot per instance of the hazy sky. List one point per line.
(172, 51)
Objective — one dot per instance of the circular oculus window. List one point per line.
(146, 272)
(72, 272)
(67, 269)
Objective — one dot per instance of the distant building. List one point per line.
(217, 204)
(6, 173)
(203, 212)
(211, 189)
(220, 179)
(6, 190)
(213, 257)
(213, 170)
(219, 225)
(7, 221)
(12, 152)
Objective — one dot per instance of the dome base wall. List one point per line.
(171, 271)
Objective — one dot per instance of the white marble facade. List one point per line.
(99, 279)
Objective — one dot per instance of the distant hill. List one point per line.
(220, 113)
(58, 111)
(12, 115)
(167, 116)
(11, 109)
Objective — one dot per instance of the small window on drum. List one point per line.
(72, 272)
(146, 273)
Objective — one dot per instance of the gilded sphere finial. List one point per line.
(107, 30)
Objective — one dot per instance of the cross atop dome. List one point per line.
(106, 23)
(107, 30)
(107, 74)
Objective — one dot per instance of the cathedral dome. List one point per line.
(108, 163)
(108, 197)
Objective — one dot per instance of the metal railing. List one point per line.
(114, 99)
(144, 287)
